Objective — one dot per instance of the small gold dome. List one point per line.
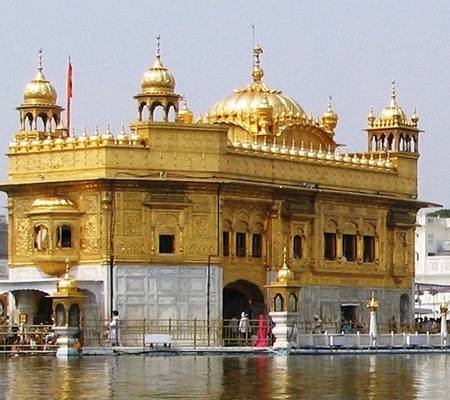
(40, 91)
(67, 285)
(415, 117)
(158, 79)
(185, 115)
(284, 273)
(393, 112)
(371, 117)
(330, 118)
(372, 305)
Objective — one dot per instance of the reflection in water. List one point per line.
(402, 377)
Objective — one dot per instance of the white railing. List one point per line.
(433, 265)
(360, 341)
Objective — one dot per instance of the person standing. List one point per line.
(243, 327)
(114, 330)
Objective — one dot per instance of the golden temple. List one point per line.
(147, 216)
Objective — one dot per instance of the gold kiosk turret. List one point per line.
(68, 315)
(284, 307)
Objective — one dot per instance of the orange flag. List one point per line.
(69, 93)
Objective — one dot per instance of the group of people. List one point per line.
(351, 327)
(15, 338)
(425, 324)
(242, 332)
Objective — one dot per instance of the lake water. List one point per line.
(260, 377)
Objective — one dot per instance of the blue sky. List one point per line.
(312, 49)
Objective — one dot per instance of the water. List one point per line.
(401, 377)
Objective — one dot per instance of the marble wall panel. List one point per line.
(162, 292)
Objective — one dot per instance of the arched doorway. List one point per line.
(35, 303)
(242, 296)
(404, 309)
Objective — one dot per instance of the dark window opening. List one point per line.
(240, 244)
(369, 249)
(256, 245)
(297, 246)
(226, 243)
(349, 247)
(330, 246)
(166, 244)
(64, 236)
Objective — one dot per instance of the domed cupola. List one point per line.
(158, 79)
(158, 90)
(39, 111)
(39, 91)
(393, 130)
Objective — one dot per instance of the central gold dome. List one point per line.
(247, 100)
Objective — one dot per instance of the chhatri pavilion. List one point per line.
(182, 217)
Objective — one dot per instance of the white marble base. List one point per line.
(284, 329)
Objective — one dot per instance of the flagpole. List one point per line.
(69, 94)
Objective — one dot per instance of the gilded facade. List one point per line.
(181, 217)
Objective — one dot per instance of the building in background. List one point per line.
(188, 219)
(432, 255)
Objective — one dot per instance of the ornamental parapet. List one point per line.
(372, 160)
(29, 141)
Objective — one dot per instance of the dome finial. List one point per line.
(393, 94)
(330, 103)
(257, 72)
(284, 257)
(158, 46)
(40, 64)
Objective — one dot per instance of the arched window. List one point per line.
(60, 315)
(256, 245)
(40, 237)
(42, 123)
(349, 242)
(297, 246)
(171, 113)
(241, 245)
(292, 303)
(158, 113)
(28, 122)
(74, 315)
(144, 114)
(64, 236)
(279, 302)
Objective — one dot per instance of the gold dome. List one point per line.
(393, 112)
(40, 91)
(247, 100)
(158, 79)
